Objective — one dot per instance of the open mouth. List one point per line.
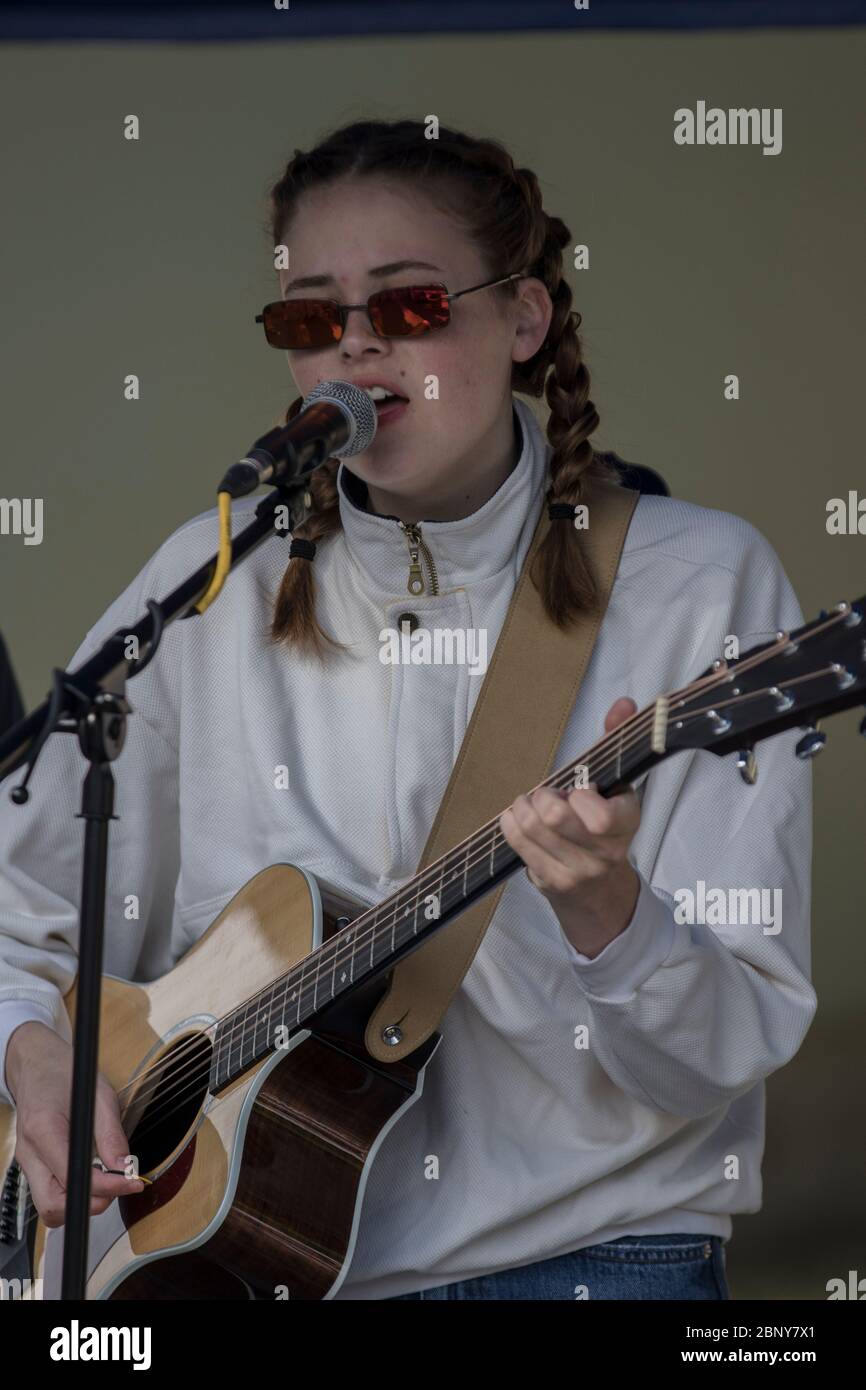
(388, 412)
(388, 404)
(382, 396)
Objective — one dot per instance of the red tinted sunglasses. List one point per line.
(402, 313)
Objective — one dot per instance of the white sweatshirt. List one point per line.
(571, 1101)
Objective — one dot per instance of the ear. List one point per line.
(533, 311)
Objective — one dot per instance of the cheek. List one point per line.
(303, 371)
(459, 369)
(309, 369)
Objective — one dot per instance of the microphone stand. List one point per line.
(92, 703)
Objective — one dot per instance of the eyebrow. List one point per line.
(310, 282)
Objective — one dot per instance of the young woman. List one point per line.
(533, 1165)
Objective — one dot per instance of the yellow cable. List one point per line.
(224, 554)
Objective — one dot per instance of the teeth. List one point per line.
(379, 393)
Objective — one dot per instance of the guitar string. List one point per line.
(198, 1071)
(705, 683)
(240, 1026)
(332, 957)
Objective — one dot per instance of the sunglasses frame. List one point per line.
(343, 310)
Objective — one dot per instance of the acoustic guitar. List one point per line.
(251, 1105)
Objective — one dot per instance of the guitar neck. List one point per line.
(798, 677)
(374, 942)
(448, 886)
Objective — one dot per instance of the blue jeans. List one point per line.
(636, 1267)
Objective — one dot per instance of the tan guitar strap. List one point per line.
(519, 717)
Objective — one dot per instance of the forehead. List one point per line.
(341, 232)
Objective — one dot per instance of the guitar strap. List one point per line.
(535, 671)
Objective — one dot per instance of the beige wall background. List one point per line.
(152, 257)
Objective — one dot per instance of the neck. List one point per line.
(465, 489)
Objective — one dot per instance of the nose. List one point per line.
(358, 335)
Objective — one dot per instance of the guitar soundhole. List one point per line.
(168, 1101)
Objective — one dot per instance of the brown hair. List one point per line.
(499, 206)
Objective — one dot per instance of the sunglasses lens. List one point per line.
(406, 313)
(315, 323)
(302, 323)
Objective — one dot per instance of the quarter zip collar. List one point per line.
(445, 555)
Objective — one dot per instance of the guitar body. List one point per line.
(256, 1190)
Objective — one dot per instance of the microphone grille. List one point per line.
(357, 405)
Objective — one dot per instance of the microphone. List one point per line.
(336, 420)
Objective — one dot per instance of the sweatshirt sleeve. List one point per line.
(42, 841)
(706, 993)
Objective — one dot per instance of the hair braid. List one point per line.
(294, 617)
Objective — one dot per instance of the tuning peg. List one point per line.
(811, 742)
(748, 764)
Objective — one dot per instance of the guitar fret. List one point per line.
(218, 1059)
(273, 1017)
(300, 987)
(236, 1038)
(339, 960)
(263, 1022)
(318, 960)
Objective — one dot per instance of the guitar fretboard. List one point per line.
(374, 941)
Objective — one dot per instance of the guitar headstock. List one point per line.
(791, 681)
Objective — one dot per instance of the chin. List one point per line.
(387, 467)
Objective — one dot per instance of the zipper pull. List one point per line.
(416, 573)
